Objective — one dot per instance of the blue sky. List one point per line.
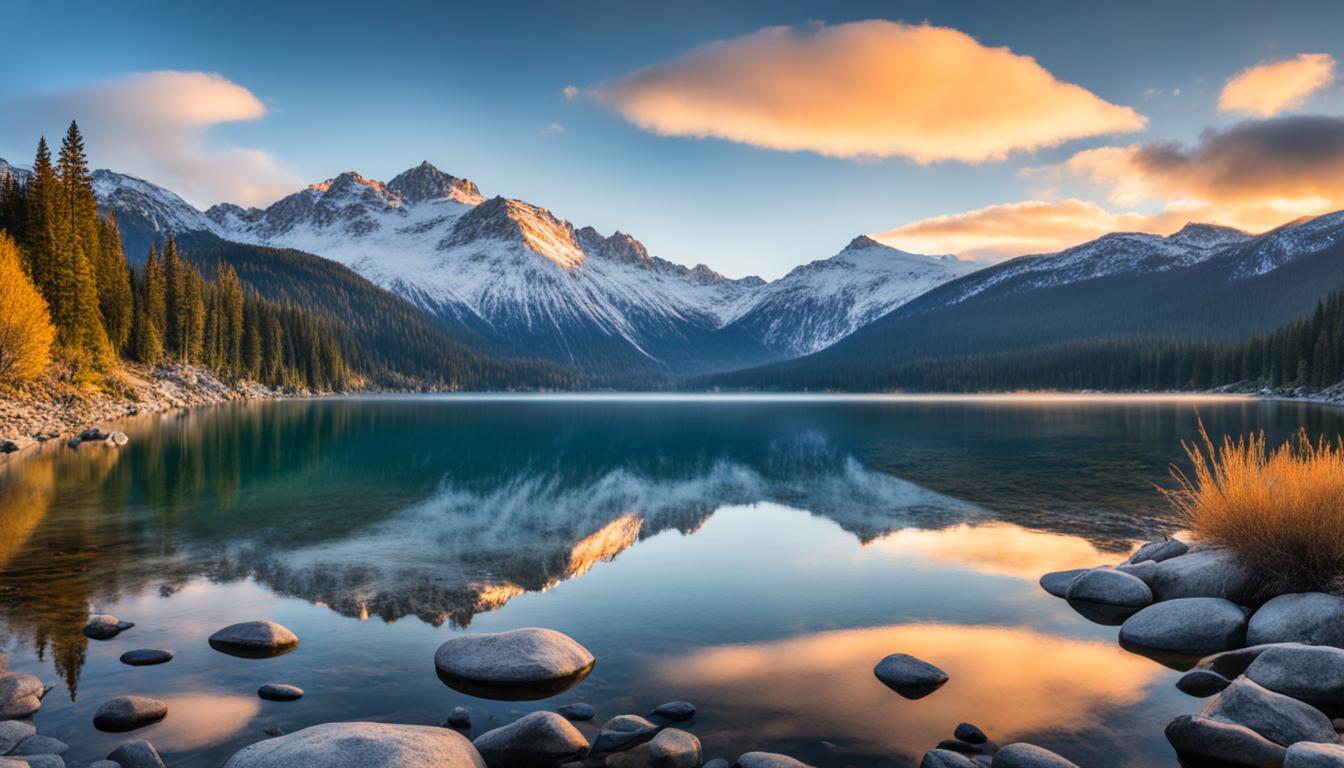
(477, 89)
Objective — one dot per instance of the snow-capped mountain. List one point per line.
(19, 173)
(532, 284)
(817, 304)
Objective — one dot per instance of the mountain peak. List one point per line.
(863, 242)
(349, 181)
(424, 182)
(1207, 235)
(508, 220)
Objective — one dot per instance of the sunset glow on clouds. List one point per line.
(867, 89)
(156, 124)
(1269, 88)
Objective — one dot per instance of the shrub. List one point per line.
(25, 325)
(1281, 511)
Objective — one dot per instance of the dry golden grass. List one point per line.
(1280, 510)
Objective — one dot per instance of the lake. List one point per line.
(755, 556)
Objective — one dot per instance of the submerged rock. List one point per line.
(1057, 582)
(577, 711)
(459, 717)
(1311, 673)
(1204, 573)
(671, 748)
(254, 640)
(102, 626)
(539, 738)
(1231, 663)
(1202, 683)
(1309, 755)
(362, 745)
(526, 663)
(768, 760)
(280, 692)
(970, 734)
(1157, 551)
(1281, 719)
(126, 713)
(1307, 617)
(623, 732)
(910, 677)
(20, 695)
(1110, 587)
(676, 711)
(136, 754)
(142, 657)
(1226, 742)
(1190, 626)
(1022, 755)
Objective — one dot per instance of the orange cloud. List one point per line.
(997, 232)
(1269, 88)
(865, 89)
(156, 125)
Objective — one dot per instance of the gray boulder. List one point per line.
(1309, 755)
(1023, 755)
(280, 692)
(1231, 663)
(33, 761)
(20, 695)
(1143, 571)
(1202, 683)
(717, 762)
(1231, 744)
(459, 717)
(103, 764)
(102, 626)
(361, 745)
(1157, 551)
(1189, 626)
(1281, 719)
(38, 744)
(254, 639)
(136, 754)
(1311, 673)
(577, 711)
(676, 711)
(1307, 617)
(531, 659)
(946, 758)
(910, 677)
(1057, 582)
(126, 713)
(142, 657)
(623, 732)
(539, 738)
(1111, 587)
(1204, 573)
(970, 734)
(12, 732)
(768, 760)
(671, 748)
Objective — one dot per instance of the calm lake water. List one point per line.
(756, 557)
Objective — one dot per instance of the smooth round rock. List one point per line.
(577, 711)
(529, 663)
(676, 711)
(1202, 683)
(361, 745)
(1022, 755)
(254, 640)
(126, 713)
(910, 677)
(671, 748)
(1316, 618)
(20, 695)
(143, 657)
(102, 626)
(1157, 551)
(280, 692)
(768, 760)
(1227, 742)
(1110, 587)
(1057, 582)
(717, 762)
(970, 734)
(1312, 755)
(459, 717)
(32, 761)
(946, 758)
(13, 732)
(1281, 719)
(1191, 626)
(623, 732)
(136, 754)
(37, 744)
(1204, 573)
(1310, 673)
(539, 738)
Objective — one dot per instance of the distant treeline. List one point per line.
(101, 310)
(1304, 353)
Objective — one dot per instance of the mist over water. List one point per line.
(755, 556)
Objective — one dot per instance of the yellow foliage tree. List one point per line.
(26, 333)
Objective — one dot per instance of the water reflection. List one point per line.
(1012, 681)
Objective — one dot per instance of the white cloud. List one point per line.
(1271, 87)
(156, 125)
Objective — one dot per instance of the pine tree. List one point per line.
(114, 283)
(39, 228)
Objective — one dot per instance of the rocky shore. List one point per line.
(52, 410)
